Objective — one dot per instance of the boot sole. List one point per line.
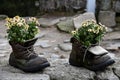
(33, 68)
(98, 67)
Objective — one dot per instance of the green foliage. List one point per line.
(19, 30)
(89, 33)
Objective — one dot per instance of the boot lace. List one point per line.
(87, 50)
(28, 52)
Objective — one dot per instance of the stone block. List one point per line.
(106, 5)
(81, 18)
(48, 22)
(107, 18)
(116, 6)
(66, 26)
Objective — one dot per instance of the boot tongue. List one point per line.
(97, 50)
(30, 42)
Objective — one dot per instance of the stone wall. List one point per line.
(32, 7)
(61, 5)
(109, 12)
(18, 7)
(106, 9)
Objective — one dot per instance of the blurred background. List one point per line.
(18, 7)
(109, 9)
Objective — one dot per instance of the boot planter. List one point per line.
(24, 57)
(21, 36)
(81, 57)
(85, 49)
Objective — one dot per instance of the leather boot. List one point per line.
(81, 57)
(24, 57)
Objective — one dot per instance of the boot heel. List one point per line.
(73, 63)
(12, 61)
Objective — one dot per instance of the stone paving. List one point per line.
(46, 46)
(56, 47)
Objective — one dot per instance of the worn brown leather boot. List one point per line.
(24, 57)
(83, 57)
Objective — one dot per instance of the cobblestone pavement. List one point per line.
(56, 47)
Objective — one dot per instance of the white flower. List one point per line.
(20, 24)
(89, 30)
(73, 32)
(26, 26)
(22, 20)
(33, 19)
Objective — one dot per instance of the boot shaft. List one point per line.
(77, 48)
(79, 53)
(23, 50)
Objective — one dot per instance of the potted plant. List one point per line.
(86, 49)
(21, 35)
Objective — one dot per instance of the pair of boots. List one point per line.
(24, 57)
(94, 58)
